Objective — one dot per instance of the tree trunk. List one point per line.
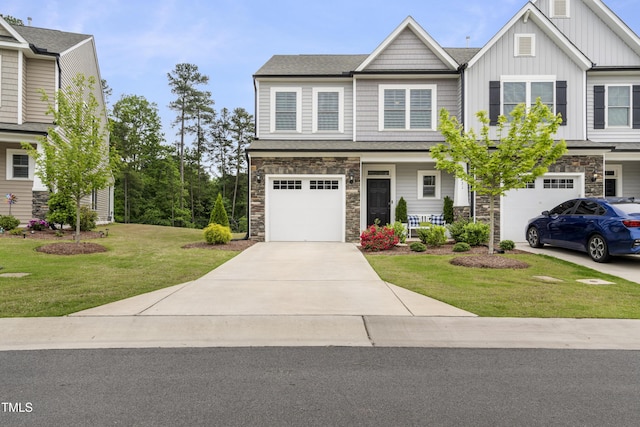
(78, 201)
(491, 222)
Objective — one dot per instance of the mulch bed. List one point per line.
(64, 244)
(234, 245)
(71, 248)
(477, 257)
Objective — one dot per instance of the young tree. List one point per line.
(242, 131)
(523, 151)
(75, 157)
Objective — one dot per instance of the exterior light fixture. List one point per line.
(258, 177)
(351, 179)
(594, 177)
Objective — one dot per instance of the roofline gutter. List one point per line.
(618, 68)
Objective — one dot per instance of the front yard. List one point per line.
(512, 292)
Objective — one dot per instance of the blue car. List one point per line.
(600, 227)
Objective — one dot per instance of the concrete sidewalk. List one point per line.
(301, 294)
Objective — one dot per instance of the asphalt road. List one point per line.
(320, 387)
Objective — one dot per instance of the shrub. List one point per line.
(456, 229)
(376, 238)
(399, 230)
(433, 236)
(37, 225)
(476, 233)
(88, 218)
(461, 247)
(9, 222)
(15, 232)
(447, 209)
(507, 245)
(401, 210)
(219, 214)
(62, 210)
(418, 247)
(216, 234)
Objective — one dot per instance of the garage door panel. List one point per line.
(305, 209)
(518, 206)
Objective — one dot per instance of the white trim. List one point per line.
(527, 80)
(257, 110)
(9, 163)
(617, 175)
(354, 118)
(516, 45)
(20, 85)
(298, 91)
(438, 186)
(410, 23)
(1, 81)
(606, 106)
(552, 9)
(366, 168)
(314, 109)
(407, 89)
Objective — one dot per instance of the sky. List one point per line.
(140, 41)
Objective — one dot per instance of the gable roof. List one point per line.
(310, 65)
(411, 24)
(531, 12)
(50, 41)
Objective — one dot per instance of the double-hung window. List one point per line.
(619, 106)
(19, 165)
(286, 109)
(428, 184)
(328, 106)
(527, 91)
(405, 107)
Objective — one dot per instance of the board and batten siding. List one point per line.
(407, 187)
(611, 134)
(264, 107)
(9, 86)
(40, 74)
(549, 60)
(592, 36)
(407, 52)
(367, 126)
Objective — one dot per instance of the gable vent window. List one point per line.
(559, 8)
(525, 45)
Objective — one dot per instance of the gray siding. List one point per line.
(499, 61)
(264, 108)
(630, 178)
(407, 187)
(592, 36)
(407, 52)
(609, 134)
(40, 74)
(448, 96)
(9, 86)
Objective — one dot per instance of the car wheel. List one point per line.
(533, 237)
(598, 249)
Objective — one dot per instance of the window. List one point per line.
(285, 109)
(587, 207)
(407, 107)
(527, 92)
(564, 208)
(19, 165)
(284, 184)
(428, 184)
(619, 106)
(525, 45)
(324, 184)
(559, 9)
(94, 200)
(328, 106)
(558, 183)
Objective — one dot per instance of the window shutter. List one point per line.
(598, 107)
(494, 102)
(561, 100)
(636, 107)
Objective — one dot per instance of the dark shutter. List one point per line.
(494, 102)
(598, 107)
(636, 107)
(561, 100)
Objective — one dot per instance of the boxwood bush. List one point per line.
(216, 234)
(9, 222)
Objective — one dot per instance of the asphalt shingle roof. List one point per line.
(51, 41)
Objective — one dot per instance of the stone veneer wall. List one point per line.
(305, 166)
(39, 206)
(586, 164)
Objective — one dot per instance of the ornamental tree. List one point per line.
(75, 157)
(523, 151)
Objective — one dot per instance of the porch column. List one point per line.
(461, 193)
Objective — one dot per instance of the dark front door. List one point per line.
(378, 201)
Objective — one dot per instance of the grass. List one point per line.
(513, 293)
(140, 258)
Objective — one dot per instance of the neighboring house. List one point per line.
(340, 138)
(32, 59)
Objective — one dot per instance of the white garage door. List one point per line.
(305, 208)
(518, 206)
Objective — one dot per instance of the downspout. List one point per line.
(248, 209)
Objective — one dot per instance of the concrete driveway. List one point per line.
(284, 279)
(626, 267)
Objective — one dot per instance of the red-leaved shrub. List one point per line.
(376, 238)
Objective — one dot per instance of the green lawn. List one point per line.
(513, 293)
(140, 258)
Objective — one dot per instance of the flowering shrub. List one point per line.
(37, 225)
(376, 238)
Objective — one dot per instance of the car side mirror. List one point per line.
(545, 213)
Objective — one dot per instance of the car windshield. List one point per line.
(628, 208)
